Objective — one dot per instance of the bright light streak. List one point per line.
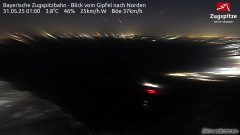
(227, 71)
(215, 74)
(199, 76)
(171, 38)
(177, 74)
(151, 85)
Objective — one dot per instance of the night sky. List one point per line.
(180, 17)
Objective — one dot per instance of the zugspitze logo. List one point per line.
(223, 6)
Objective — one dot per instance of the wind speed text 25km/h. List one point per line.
(127, 11)
(93, 11)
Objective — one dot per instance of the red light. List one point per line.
(16, 33)
(151, 91)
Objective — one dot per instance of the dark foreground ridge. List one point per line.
(99, 82)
